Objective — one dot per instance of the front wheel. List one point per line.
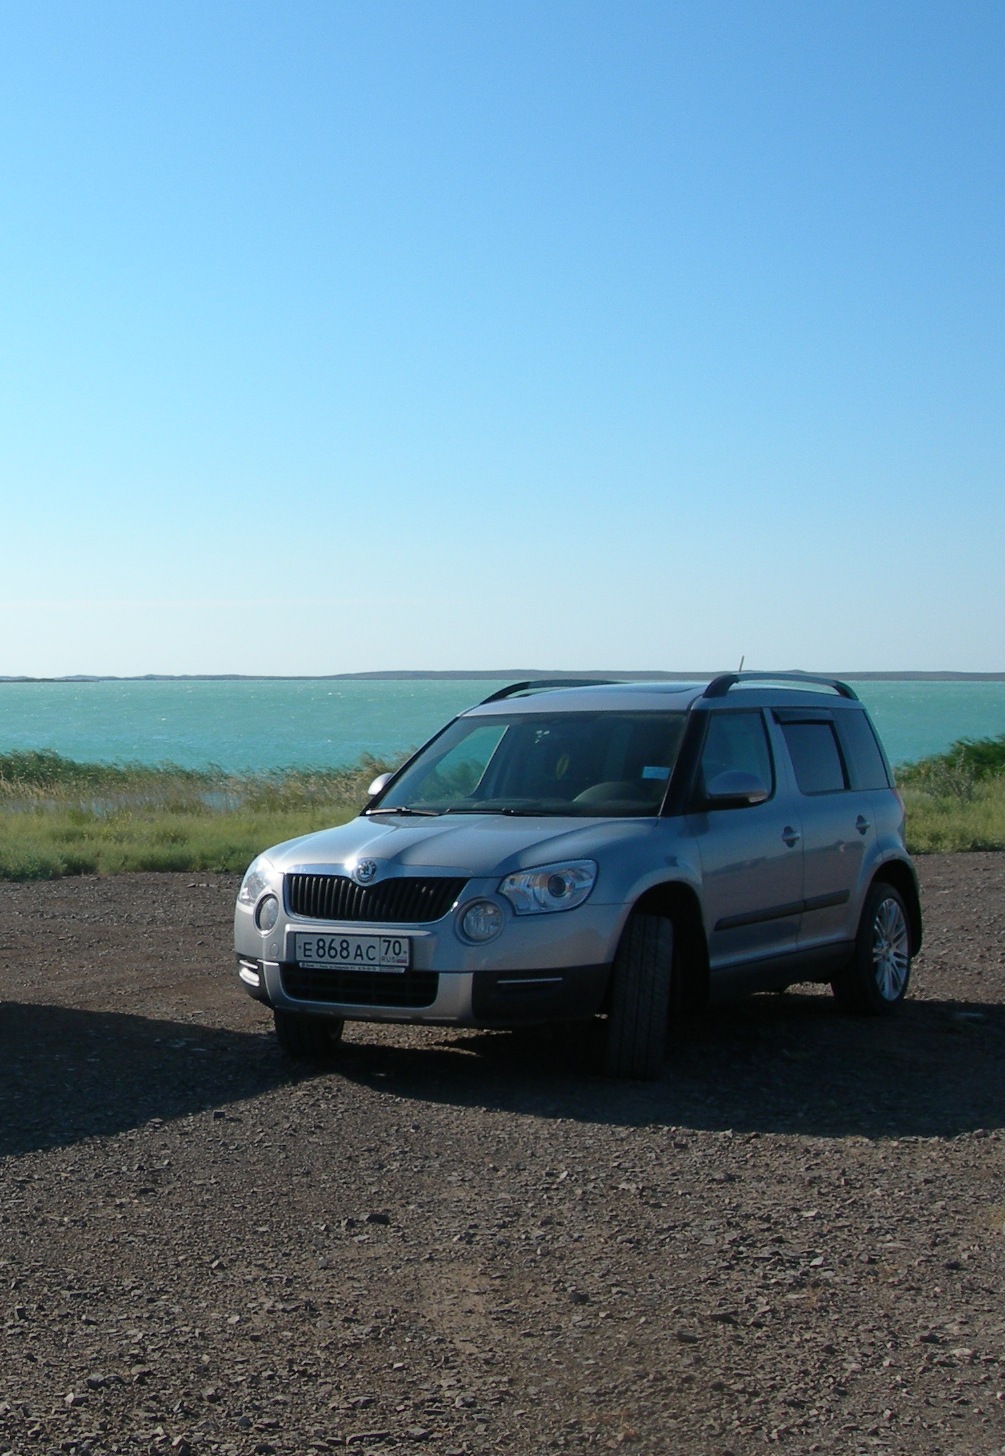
(307, 1038)
(640, 999)
(876, 978)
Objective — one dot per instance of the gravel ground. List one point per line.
(471, 1243)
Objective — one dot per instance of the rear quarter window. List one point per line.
(867, 765)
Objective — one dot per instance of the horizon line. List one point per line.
(492, 675)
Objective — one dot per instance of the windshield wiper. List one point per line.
(404, 809)
(502, 809)
(536, 813)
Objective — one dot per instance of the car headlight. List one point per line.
(550, 887)
(258, 878)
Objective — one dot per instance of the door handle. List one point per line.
(862, 824)
(791, 836)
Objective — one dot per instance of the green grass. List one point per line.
(956, 800)
(943, 825)
(59, 818)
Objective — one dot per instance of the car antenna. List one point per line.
(743, 658)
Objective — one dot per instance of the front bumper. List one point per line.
(545, 967)
(444, 998)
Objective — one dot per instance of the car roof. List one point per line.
(593, 697)
(755, 690)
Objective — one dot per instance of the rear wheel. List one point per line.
(876, 978)
(307, 1038)
(640, 999)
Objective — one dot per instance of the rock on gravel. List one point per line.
(471, 1243)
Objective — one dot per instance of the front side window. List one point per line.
(736, 743)
(581, 764)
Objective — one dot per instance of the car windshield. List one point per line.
(580, 764)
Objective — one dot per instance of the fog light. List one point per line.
(266, 913)
(482, 920)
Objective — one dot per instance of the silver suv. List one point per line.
(572, 849)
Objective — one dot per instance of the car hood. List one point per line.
(467, 846)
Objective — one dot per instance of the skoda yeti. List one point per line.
(567, 850)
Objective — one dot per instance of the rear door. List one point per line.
(838, 825)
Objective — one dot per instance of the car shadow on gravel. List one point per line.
(70, 1074)
(771, 1064)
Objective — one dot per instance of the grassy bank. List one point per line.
(63, 818)
(956, 800)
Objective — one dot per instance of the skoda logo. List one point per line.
(365, 872)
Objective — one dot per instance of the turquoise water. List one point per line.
(254, 726)
(248, 726)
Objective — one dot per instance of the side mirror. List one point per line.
(734, 789)
(379, 783)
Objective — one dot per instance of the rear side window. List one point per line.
(816, 757)
(867, 766)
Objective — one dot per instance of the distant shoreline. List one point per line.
(488, 675)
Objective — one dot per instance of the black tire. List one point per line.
(875, 980)
(307, 1038)
(640, 999)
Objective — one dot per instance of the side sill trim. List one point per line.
(784, 912)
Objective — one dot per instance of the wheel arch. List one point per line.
(680, 904)
(901, 876)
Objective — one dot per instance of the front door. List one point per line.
(751, 856)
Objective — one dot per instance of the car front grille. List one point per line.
(407, 989)
(392, 902)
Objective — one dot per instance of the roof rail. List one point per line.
(539, 684)
(720, 686)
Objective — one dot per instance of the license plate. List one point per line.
(353, 952)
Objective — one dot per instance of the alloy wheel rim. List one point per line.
(890, 950)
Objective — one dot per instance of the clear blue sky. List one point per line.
(549, 333)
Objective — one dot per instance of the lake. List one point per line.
(254, 725)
